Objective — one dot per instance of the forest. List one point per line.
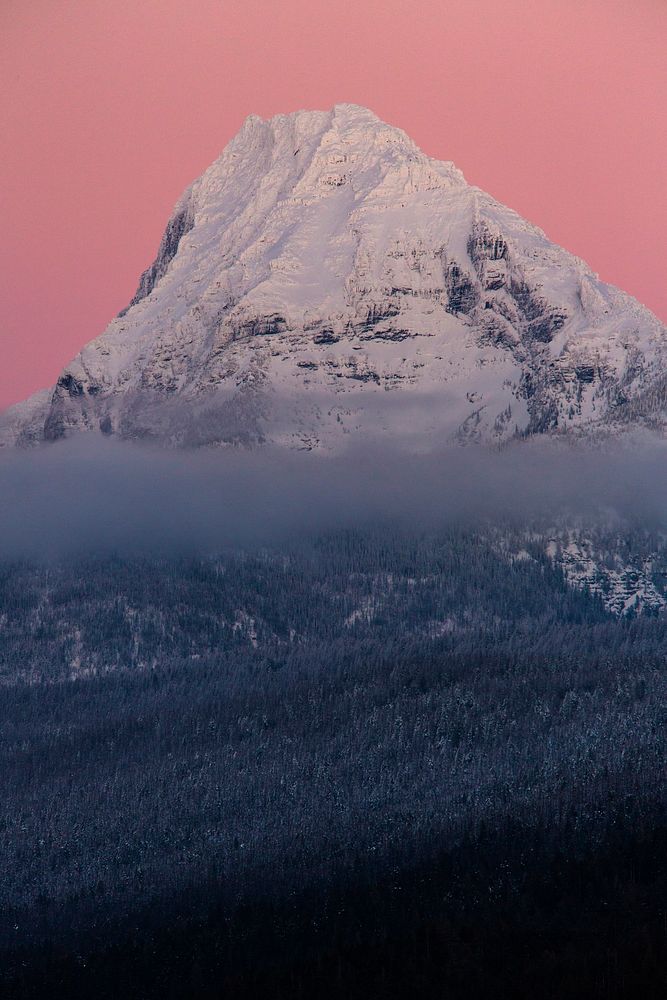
(358, 765)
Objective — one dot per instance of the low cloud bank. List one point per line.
(93, 496)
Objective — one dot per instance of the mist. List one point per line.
(94, 496)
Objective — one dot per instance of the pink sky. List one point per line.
(109, 108)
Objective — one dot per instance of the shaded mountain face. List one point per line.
(325, 278)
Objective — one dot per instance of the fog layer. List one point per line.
(93, 495)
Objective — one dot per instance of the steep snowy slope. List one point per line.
(325, 277)
(23, 424)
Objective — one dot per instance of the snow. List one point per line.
(310, 297)
(625, 588)
(23, 422)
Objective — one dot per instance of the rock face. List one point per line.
(624, 565)
(323, 278)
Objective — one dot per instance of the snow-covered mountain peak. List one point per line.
(314, 152)
(325, 278)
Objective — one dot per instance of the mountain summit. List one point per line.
(324, 277)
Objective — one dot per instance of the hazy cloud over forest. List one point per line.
(92, 495)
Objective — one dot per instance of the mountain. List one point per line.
(325, 277)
